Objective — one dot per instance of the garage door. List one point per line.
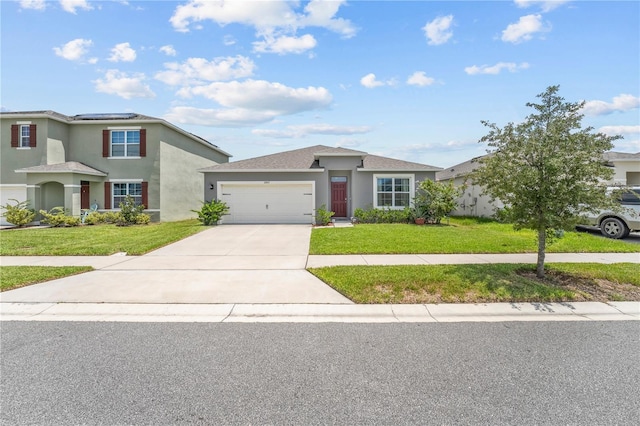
(11, 192)
(268, 202)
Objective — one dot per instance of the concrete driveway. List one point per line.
(224, 264)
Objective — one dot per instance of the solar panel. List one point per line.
(107, 116)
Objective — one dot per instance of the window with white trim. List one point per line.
(391, 191)
(125, 143)
(25, 136)
(122, 189)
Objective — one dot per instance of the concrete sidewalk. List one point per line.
(157, 260)
(314, 313)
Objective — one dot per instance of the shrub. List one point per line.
(434, 200)
(129, 212)
(372, 215)
(212, 212)
(503, 215)
(323, 216)
(94, 218)
(57, 217)
(19, 213)
(110, 217)
(143, 219)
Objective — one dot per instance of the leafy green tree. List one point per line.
(434, 200)
(547, 169)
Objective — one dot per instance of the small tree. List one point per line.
(547, 169)
(131, 213)
(19, 213)
(434, 200)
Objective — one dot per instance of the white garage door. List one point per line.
(268, 202)
(11, 192)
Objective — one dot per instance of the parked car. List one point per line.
(618, 224)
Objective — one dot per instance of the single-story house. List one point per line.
(54, 160)
(473, 202)
(289, 187)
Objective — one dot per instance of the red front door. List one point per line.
(84, 194)
(339, 199)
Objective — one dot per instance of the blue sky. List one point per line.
(409, 80)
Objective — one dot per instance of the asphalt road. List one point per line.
(473, 373)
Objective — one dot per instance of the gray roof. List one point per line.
(458, 170)
(68, 167)
(616, 156)
(306, 159)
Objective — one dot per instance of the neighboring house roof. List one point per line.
(458, 170)
(130, 117)
(306, 159)
(621, 156)
(68, 167)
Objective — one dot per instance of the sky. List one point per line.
(405, 79)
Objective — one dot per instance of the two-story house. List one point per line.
(52, 160)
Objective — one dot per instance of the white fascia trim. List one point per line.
(126, 180)
(412, 187)
(387, 171)
(265, 171)
(124, 127)
(60, 172)
(14, 185)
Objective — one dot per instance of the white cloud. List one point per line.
(168, 50)
(229, 40)
(265, 16)
(122, 52)
(262, 95)
(200, 70)
(126, 86)
(33, 4)
(437, 31)
(419, 78)
(304, 130)
(71, 5)
(285, 44)
(545, 5)
(496, 69)
(623, 102)
(73, 50)
(248, 103)
(369, 81)
(524, 29)
(619, 130)
(236, 117)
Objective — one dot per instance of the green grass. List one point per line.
(482, 283)
(462, 235)
(98, 240)
(12, 277)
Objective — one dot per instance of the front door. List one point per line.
(339, 196)
(84, 194)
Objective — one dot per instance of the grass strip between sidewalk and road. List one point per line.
(461, 235)
(12, 277)
(480, 283)
(95, 240)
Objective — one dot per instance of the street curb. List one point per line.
(318, 313)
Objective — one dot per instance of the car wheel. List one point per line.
(613, 227)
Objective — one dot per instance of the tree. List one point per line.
(547, 169)
(434, 200)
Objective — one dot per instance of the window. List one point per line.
(23, 135)
(121, 190)
(393, 191)
(125, 143)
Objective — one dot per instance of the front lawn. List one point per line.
(12, 277)
(461, 235)
(483, 283)
(95, 240)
